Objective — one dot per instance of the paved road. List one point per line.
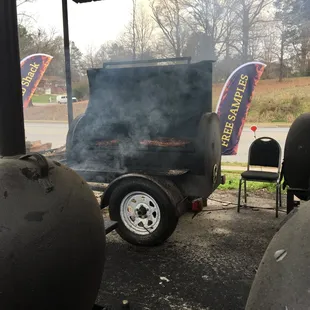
(247, 138)
(38, 104)
(56, 134)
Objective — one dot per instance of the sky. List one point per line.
(91, 24)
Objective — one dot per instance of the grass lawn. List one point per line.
(232, 182)
(233, 164)
(43, 98)
(274, 101)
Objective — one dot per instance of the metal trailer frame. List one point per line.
(291, 203)
(190, 186)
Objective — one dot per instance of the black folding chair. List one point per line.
(264, 152)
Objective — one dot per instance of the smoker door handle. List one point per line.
(44, 170)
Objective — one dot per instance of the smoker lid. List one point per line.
(151, 101)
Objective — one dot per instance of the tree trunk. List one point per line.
(245, 36)
(304, 51)
(227, 48)
(303, 61)
(308, 67)
(281, 73)
(178, 25)
(134, 7)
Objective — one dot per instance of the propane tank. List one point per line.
(52, 239)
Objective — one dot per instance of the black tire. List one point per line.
(168, 214)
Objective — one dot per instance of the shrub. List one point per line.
(281, 110)
(81, 90)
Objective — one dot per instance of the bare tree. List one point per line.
(144, 32)
(295, 17)
(169, 16)
(133, 26)
(249, 13)
(21, 2)
(280, 48)
(22, 15)
(95, 57)
(214, 18)
(230, 27)
(138, 34)
(89, 59)
(47, 41)
(281, 57)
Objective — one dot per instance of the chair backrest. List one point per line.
(265, 152)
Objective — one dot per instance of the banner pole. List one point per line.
(67, 60)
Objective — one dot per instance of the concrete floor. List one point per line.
(209, 262)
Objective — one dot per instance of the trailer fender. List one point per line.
(166, 185)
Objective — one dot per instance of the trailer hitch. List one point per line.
(109, 226)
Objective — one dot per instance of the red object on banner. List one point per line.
(33, 68)
(254, 128)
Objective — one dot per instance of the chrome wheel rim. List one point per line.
(140, 213)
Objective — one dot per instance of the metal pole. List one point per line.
(12, 132)
(67, 60)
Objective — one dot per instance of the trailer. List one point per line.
(149, 132)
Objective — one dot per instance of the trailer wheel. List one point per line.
(145, 214)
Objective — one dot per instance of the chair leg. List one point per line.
(239, 195)
(280, 196)
(277, 201)
(245, 193)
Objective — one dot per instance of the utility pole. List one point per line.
(67, 60)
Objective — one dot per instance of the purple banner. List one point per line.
(234, 103)
(33, 68)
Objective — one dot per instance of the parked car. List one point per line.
(63, 99)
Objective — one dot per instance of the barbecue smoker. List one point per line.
(149, 132)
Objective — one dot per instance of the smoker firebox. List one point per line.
(151, 121)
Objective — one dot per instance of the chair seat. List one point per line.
(260, 175)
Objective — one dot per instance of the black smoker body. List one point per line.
(151, 121)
